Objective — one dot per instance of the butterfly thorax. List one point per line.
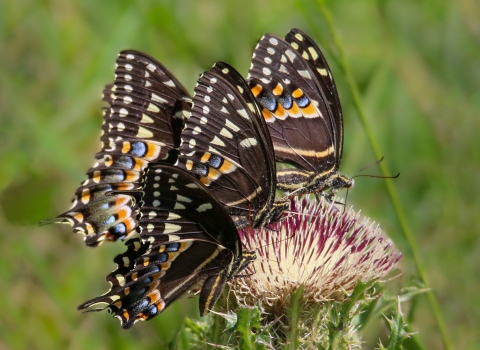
(264, 216)
(241, 263)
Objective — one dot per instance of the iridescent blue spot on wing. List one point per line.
(200, 169)
(118, 230)
(215, 161)
(172, 247)
(139, 149)
(302, 101)
(286, 100)
(268, 101)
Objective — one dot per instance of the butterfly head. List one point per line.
(341, 181)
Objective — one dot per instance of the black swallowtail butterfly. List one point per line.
(189, 244)
(226, 144)
(292, 81)
(138, 128)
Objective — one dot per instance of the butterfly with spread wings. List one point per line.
(189, 245)
(139, 127)
(293, 83)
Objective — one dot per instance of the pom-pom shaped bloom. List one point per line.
(321, 247)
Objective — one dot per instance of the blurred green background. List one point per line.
(416, 64)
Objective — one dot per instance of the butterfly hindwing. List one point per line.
(188, 245)
(138, 128)
(172, 196)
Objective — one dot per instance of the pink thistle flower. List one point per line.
(321, 247)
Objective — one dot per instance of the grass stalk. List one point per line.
(406, 231)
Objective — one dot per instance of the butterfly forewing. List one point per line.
(317, 62)
(225, 143)
(138, 128)
(187, 241)
(292, 81)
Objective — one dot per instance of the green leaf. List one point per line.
(247, 326)
(192, 334)
(398, 332)
(231, 319)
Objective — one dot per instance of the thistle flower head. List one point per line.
(320, 247)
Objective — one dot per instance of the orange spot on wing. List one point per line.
(160, 305)
(97, 176)
(108, 161)
(85, 196)
(89, 229)
(153, 151)
(227, 167)
(108, 237)
(297, 93)
(165, 266)
(213, 174)
(205, 181)
(267, 115)
(158, 275)
(294, 110)
(78, 217)
(206, 156)
(280, 112)
(310, 111)
(172, 256)
(126, 147)
(126, 315)
(278, 90)
(124, 186)
(256, 90)
(131, 176)
(121, 201)
(129, 225)
(140, 164)
(154, 297)
(141, 317)
(122, 213)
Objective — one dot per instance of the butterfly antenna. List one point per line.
(368, 166)
(374, 176)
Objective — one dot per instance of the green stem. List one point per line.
(295, 311)
(218, 326)
(407, 233)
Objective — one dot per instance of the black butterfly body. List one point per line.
(138, 128)
(226, 143)
(293, 83)
(188, 244)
